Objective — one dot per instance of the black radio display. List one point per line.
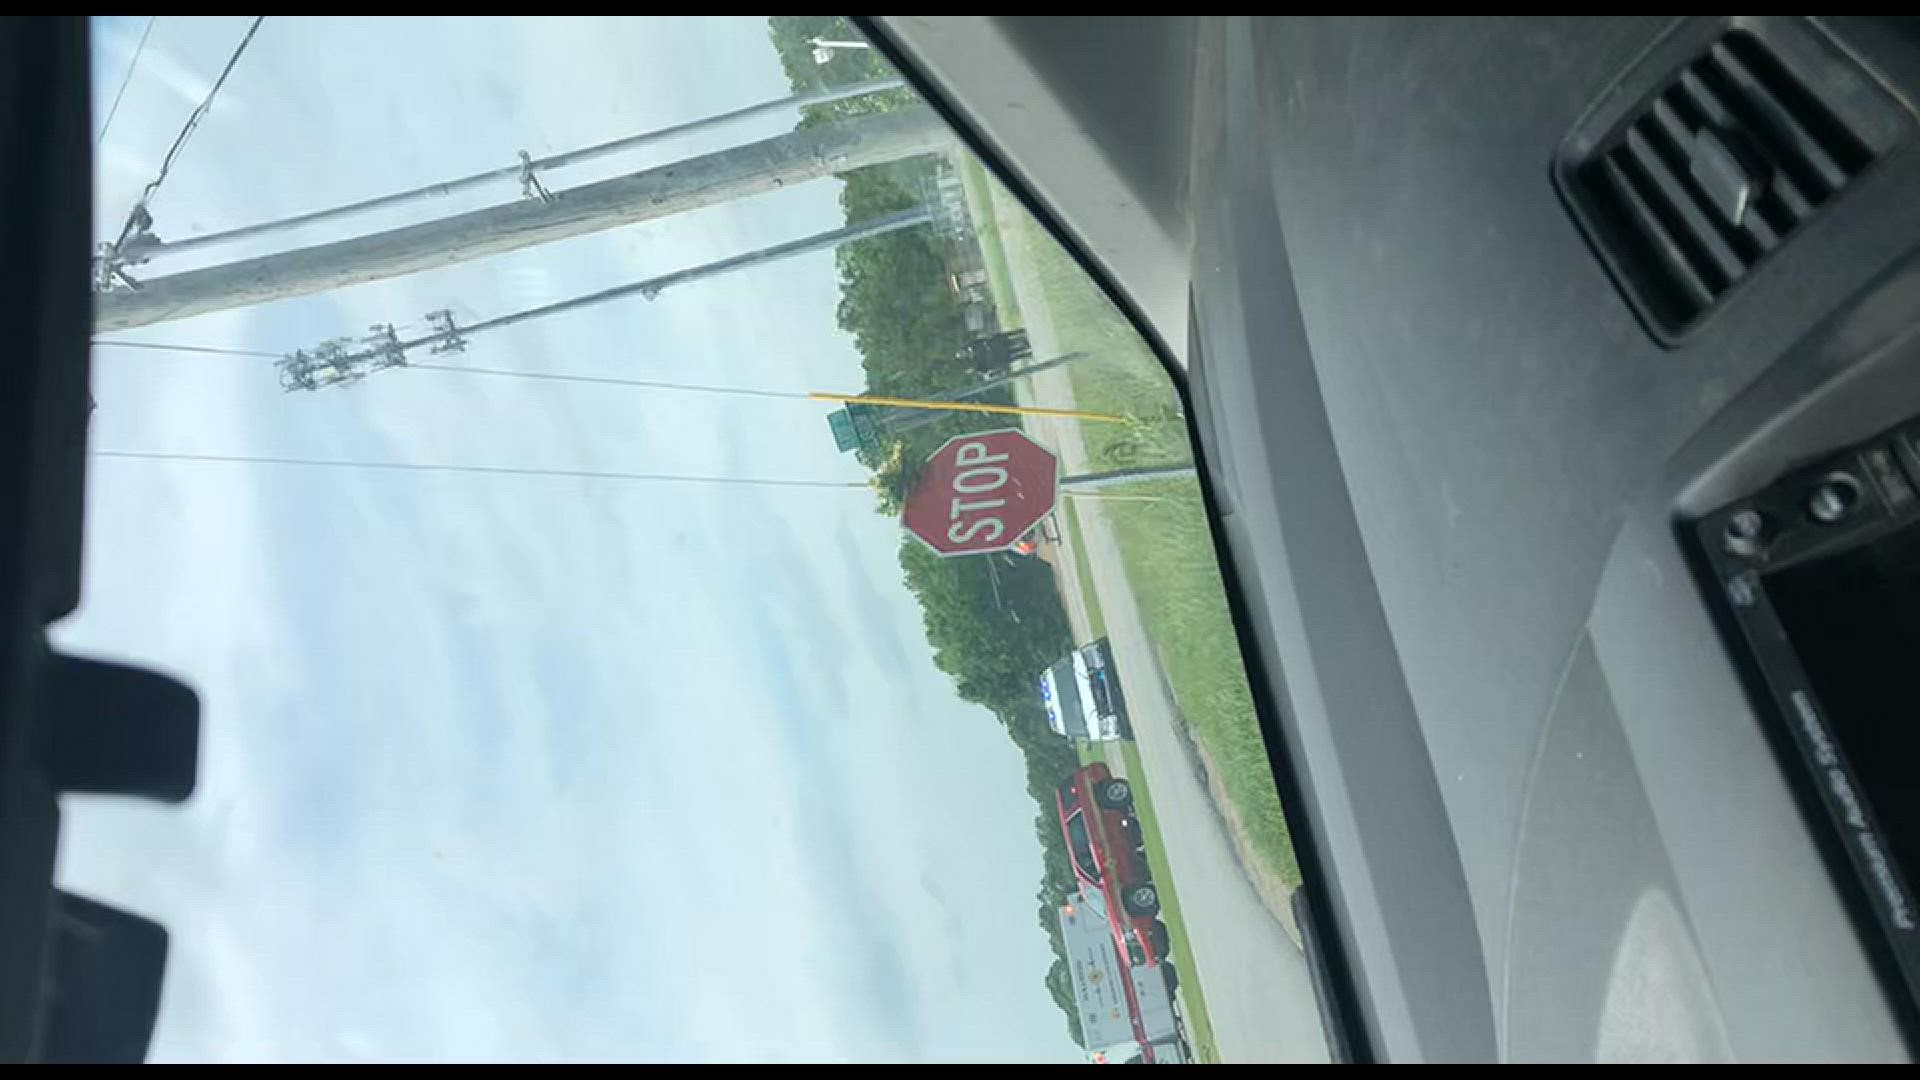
(1820, 572)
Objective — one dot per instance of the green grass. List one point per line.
(1199, 1021)
(983, 209)
(1120, 375)
(1165, 544)
(1090, 596)
(1169, 559)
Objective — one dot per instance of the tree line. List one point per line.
(992, 629)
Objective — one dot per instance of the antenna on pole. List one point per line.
(343, 360)
(446, 337)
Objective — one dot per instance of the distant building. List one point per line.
(946, 199)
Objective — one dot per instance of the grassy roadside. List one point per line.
(1199, 1024)
(1164, 542)
(1089, 596)
(1184, 606)
(1118, 369)
(1199, 1021)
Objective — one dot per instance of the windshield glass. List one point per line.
(615, 485)
(1080, 846)
(1060, 694)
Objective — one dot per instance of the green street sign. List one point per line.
(845, 438)
(853, 427)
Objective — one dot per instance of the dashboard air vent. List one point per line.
(1701, 178)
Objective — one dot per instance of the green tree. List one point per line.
(895, 297)
(793, 37)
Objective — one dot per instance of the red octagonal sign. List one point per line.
(982, 492)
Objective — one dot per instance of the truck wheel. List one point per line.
(1172, 975)
(1158, 938)
(1114, 794)
(1141, 900)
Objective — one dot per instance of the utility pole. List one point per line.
(1072, 485)
(707, 180)
(341, 361)
(524, 171)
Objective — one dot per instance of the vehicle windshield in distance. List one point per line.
(620, 487)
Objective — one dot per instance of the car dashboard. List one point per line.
(1555, 380)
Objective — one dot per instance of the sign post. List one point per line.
(980, 493)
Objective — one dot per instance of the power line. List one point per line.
(161, 346)
(133, 63)
(483, 470)
(137, 231)
(200, 110)
(933, 405)
(611, 380)
(502, 373)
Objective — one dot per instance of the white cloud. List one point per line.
(504, 767)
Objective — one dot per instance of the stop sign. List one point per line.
(981, 492)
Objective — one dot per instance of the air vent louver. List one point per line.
(1691, 188)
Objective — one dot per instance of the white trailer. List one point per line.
(1082, 696)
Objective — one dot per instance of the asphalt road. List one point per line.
(1259, 996)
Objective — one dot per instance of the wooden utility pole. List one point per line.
(707, 180)
(526, 172)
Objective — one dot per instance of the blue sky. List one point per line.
(504, 768)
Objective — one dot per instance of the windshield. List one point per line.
(615, 485)
(1080, 846)
(1060, 694)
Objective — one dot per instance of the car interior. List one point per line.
(1554, 379)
